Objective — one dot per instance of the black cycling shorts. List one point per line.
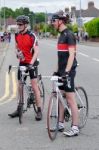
(32, 72)
(65, 87)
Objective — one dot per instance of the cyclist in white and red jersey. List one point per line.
(66, 50)
(27, 53)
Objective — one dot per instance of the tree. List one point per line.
(26, 11)
(19, 12)
(40, 17)
(8, 12)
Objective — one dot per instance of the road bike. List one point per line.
(53, 107)
(27, 96)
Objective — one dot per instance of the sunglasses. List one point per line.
(20, 24)
(54, 20)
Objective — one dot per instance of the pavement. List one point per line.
(89, 43)
(3, 50)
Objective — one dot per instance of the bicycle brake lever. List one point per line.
(10, 66)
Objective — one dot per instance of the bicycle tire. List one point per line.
(51, 115)
(20, 111)
(83, 107)
(42, 94)
(20, 107)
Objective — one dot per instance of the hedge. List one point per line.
(92, 27)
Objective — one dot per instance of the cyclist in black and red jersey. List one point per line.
(67, 63)
(27, 53)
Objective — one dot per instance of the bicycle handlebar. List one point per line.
(10, 67)
(22, 68)
(57, 78)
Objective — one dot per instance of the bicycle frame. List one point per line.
(23, 74)
(59, 95)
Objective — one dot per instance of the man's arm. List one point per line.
(35, 54)
(36, 50)
(72, 51)
(70, 59)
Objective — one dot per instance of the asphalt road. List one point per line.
(32, 135)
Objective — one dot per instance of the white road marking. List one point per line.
(83, 54)
(95, 59)
(6, 94)
(14, 88)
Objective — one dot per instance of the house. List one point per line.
(82, 16)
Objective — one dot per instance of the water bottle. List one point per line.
(20, 55)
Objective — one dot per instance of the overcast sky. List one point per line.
(46, 5)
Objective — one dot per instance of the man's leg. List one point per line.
(15, 113)
(61, 117)
(70, 96)
(73, 105)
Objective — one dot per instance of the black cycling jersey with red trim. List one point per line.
(25, 43)
(66, 40)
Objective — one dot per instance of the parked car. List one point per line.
(1, 36)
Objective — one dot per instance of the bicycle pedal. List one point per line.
(29, 106)
(24, 110)
(66, 115)
(66, 118)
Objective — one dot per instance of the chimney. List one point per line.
(66, 10)
(90, 4)
(73, 9)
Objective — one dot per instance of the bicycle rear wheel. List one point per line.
(52, 117)
(82, 103)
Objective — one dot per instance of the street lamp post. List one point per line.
(80, 16)
(0, 14)
(45, 12)
(80, 10)
(45, 22)
(31, 21)
(4, 16)
(81, 20)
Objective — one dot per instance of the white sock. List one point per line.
(75, 127)
(61, 124)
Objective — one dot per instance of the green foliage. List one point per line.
(19, 12)
(92, 27)
(26, 11)
(52, 30)
(40, 17)
(8, 12)
(69, 26)
(75, 28)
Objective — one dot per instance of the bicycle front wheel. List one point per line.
(20, 111)
(20, 106)
(52, 117)
(82, 103)
(42, 94)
